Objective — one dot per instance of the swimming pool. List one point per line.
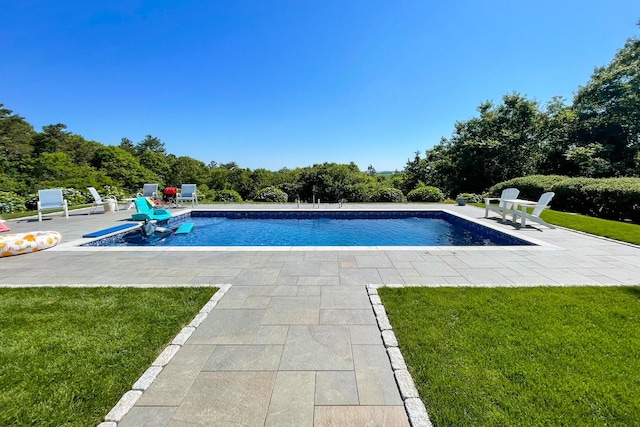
(322, 228)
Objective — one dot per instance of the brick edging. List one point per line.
(416, 411)
(129, 399)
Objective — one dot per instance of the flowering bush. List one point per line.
(271, 194)
(110, 191)
(11, 202)
(74, 197)
(229, 196)
(471, 197)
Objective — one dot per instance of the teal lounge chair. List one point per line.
(145, 210)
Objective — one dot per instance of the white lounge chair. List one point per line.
(540, 205)
(149, 190)
(502, 207)
(52, 200)
(109, 203)
(187, 192)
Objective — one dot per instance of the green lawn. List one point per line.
(67, 355)
(616, 230)
(622, 231)
(544, 356)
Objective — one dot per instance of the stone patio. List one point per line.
(294, 340)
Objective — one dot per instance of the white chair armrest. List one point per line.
(488, 200)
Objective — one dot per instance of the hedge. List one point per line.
(531, 187)
(610, 198)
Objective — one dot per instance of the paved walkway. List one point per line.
(294, 340)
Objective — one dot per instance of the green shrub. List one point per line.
(531, 187)
(361, 192)
(113, 191)
(11, 202)
(611, 198)
(271, 194)
(614, 198)
(229, 196)
(74, 197)
(204, 193)
(425, 193)
(570, 196)
(387, 194)
(471, 197)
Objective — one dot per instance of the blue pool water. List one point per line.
(345, 228)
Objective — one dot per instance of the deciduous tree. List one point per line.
(608, 109)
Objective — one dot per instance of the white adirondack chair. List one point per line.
(541, 204)
(502, 207)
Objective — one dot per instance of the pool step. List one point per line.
(101, 233)
(185, 228)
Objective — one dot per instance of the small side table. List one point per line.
(523, 209)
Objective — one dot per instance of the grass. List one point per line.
(67, 355)
(622, 231)
(616, 230)
(524, 356)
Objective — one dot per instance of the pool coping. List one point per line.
(75, 245)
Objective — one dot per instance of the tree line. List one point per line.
(597, 135)
(56, 157)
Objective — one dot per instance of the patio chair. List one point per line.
(187, 192)
(502, 207)
(145, 210)
(541, 204)
(109, 203)
(149, 190)
(52, 200)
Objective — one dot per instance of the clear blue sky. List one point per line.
(289, 83)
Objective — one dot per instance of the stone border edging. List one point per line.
(129, 399)
(416, 411)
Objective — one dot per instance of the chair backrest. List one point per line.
(187, 190)
(95, 195)
(51, 198)
(142, 205)
(508, 193)
(149, 190)
(543, 202)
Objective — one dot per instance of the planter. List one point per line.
(110, 205)
(461, 201)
